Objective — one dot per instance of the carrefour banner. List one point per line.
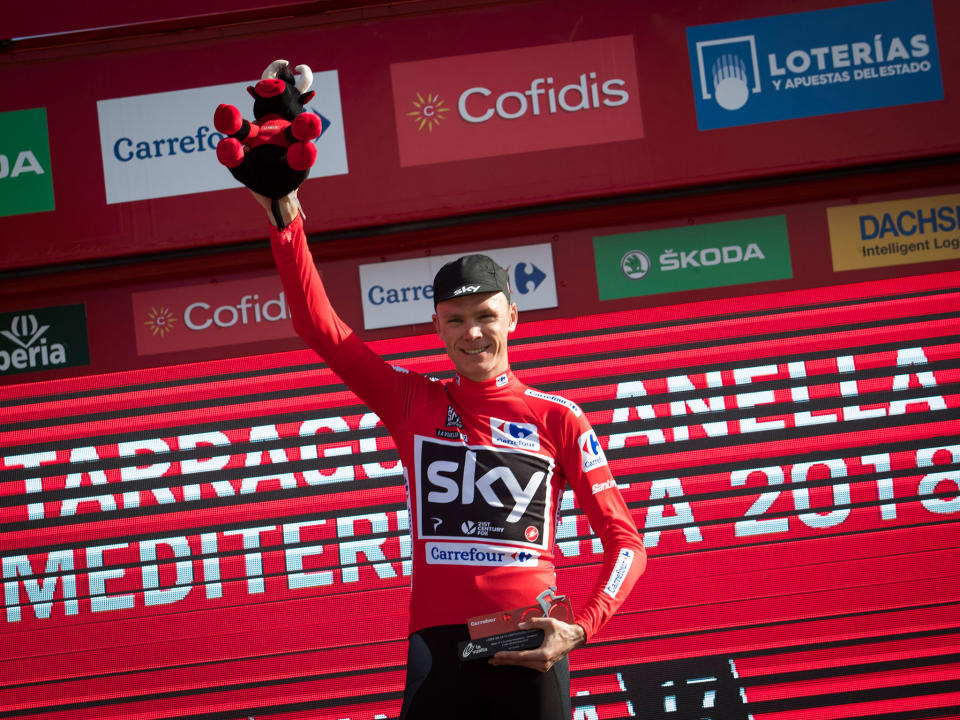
(164, 144)
(230, 539)
(400, 292)
(799, 65)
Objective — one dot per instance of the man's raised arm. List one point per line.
(314, 319)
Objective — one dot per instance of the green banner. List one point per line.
(692, 257)
(26, 179)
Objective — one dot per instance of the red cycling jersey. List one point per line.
(485, 465)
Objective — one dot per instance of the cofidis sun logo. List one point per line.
(428, 112)
(514, 101)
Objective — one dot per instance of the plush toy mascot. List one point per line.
(272, 155)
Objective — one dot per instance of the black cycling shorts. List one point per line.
(439, 685)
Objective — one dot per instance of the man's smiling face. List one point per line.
(474, 330)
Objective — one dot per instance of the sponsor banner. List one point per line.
(26, 179)
(401, 292)
(211, 315)
(516, 101)
(43, 339)
(895, 233)
(814, 63)
(692, 257)
(164, 144)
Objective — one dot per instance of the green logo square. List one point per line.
(26, 178)
(692, 257)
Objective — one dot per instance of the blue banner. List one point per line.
(814, 63)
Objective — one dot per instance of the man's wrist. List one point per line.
(583, 635)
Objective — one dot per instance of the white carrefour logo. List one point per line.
(591, 452)
(514, 434)
(164, 144)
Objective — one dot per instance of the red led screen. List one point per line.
(229, 539)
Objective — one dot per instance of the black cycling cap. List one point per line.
(469, 275)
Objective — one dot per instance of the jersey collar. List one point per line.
(504, 381)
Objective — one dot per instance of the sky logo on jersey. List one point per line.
(514, 434)
(478, 555)
(823, 62)
(481, 492)
(591, 453)
(164, 144)
(516, 101)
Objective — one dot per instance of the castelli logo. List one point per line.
(531, 533)
(514, 101)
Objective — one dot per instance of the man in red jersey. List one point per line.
(486, 460)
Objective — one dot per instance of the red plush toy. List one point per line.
(272, 155)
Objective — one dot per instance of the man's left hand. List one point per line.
(559, 638)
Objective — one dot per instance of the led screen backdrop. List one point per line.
(228, 539)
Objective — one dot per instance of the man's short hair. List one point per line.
(469, 275)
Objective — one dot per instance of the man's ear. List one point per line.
(514, 317)
(436, 323)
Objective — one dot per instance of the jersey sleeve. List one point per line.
(624, 558)
(383, 388)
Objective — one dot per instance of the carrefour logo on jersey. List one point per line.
(164, 144)
(515, 101)
(479, 555)
(400, 292)
(514, 434)
(814, 63)
(591, 452)
(211, 315)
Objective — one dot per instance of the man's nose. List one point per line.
(473, 332)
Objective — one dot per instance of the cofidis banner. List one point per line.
(516, 101)
(814, 63)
